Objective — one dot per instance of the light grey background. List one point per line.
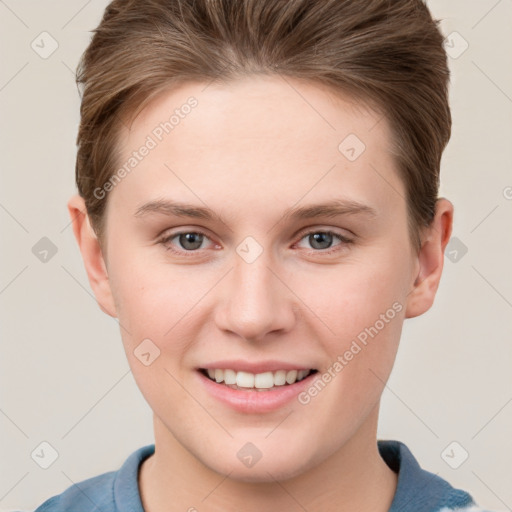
(64, 375)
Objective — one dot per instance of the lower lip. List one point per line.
(254, 401)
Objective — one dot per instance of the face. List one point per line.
(264, 282)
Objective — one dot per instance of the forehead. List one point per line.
(257, 137)
(256, 107)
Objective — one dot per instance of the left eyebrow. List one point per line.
(334, 208)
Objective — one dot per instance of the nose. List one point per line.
(256, 300)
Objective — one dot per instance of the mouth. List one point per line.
(246, 381)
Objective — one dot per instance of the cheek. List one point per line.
(165, 304)
(350, 298)
(153, 312)
(359, 315)
(150, 295)
(360, 357)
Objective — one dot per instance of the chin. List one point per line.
(265, 470)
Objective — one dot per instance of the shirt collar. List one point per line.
(416, 487)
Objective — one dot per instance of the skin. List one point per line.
(250, 150)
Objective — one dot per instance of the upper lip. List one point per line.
(240, 365)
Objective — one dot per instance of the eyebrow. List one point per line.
(333, 208)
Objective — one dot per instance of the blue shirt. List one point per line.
(118, 491)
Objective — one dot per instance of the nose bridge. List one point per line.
(256, 302)
(254, 280)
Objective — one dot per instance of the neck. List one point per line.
(353, 478)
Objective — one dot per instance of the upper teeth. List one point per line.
(259, 380)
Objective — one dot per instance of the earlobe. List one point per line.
(92, 255)
(431, 260)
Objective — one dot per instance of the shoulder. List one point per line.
(421, 490)
(112, 491)
(91, 495)
(472, 508)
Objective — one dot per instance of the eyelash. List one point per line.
(344, 242)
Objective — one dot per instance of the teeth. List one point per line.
(291, 376)
(243, 379)
(264, 380)
(229, 377)
(280, 378)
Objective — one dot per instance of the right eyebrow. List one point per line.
(177, 209)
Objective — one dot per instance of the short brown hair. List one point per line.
(386, 53)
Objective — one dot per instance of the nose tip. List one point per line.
(256, 302)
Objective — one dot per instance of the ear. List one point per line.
(431, 260)
(91, 254)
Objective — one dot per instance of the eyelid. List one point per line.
(344, 240)
(165, 240)
(319, 229)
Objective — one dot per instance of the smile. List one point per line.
(255, 381)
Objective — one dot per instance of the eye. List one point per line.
(189, 241)
(322, 241)
(192, 241)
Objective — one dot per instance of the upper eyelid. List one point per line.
(334, 231)
(301, 234)
(343, 239)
